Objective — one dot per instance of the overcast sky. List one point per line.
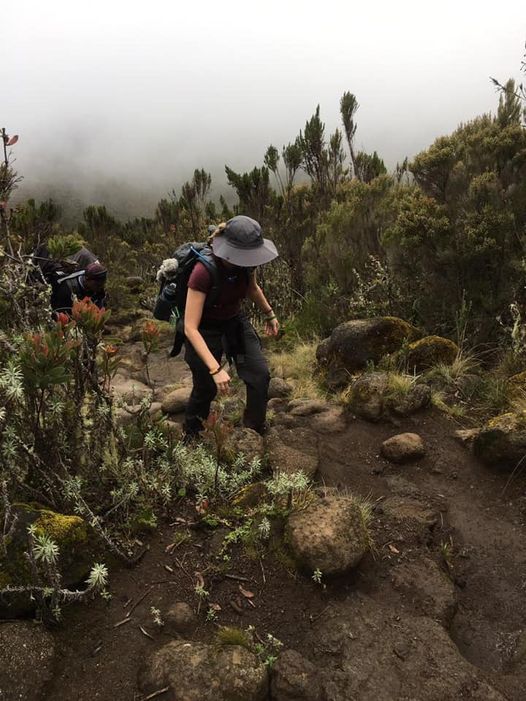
(147, 91)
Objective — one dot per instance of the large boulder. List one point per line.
(430, 350)
(501, 443)
(378, 394)
(354, 344)
(371, 652)
(200, 672)
(27, 652)
(78, 550)
(330, 535)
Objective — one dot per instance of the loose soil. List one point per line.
(465, 519)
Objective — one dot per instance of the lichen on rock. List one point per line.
(330, 535)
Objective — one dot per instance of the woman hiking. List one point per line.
(212, 330)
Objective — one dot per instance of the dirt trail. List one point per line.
(477, 539)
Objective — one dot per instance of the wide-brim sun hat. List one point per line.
(241, 243)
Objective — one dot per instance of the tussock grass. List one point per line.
(299, 364)
(232, 636)
(456, 411)
(463, 367)
(400, 384)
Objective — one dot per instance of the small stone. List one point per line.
(330, 421)
(278, 388)
(277, 404)
(467, 436)
(403, 447)
(307, 407)
(176, 401)
(180, 618)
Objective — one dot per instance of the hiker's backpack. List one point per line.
(173, 276)
(53, 271)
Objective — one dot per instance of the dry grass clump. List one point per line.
(232, 636)
(299, 365)
(463, 367)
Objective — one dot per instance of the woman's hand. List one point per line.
(222, 380)
(272, 327)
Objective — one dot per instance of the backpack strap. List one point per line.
(206, 257)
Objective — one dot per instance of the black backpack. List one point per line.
(173, 276)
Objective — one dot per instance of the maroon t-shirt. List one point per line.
(233, 288)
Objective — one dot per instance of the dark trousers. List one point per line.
(251, 367)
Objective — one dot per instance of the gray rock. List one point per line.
(285, 457)
(155, 409)
(286, 421)
(501, 443)
(355, 343)
(409, 509)
(180, 618)
(132, 392)
(199, 672)
(294, 678)
(134, 282)
(403, 447)
(419, 397)
(330, 421)
(427, 586)
(307, 407)
(277, 404)
(369, 652)
(467, 436)
(372, 397)
(330, 535)
(367, 396)
(27, 652)
(278, 388)
(176, 401)
(245, 441)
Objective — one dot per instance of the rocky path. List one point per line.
(434, 612)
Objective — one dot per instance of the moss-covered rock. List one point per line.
(354, 344)
(377, 395)
(77, 546)
(430, 350)
(501, 443)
